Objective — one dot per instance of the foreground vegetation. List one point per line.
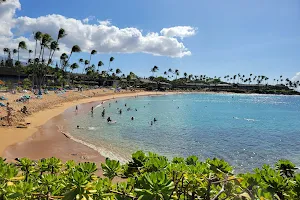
(145, 177)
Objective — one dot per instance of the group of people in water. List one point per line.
(109, 120)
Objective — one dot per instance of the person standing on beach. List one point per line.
(103, 112)
(76, 109)
(8, 109)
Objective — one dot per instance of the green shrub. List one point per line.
(146, 177)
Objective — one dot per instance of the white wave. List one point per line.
(92, 128)
(99, 105)
(101, 150)
(252, 120)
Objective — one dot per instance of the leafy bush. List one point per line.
(146, 177)
(26, 84)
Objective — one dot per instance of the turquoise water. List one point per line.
(245, 130)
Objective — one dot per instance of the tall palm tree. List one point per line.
(37, 37)
(100, 63)
(53, 48)
(80, 61)
(29, 53)
(86, 62)
(46, 39)
(111, 59)
(22, 45)
(154, 70)
(93, 52)
(5, 50)
(176, 73)
(14, 52)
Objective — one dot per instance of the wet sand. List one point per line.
(44, 136)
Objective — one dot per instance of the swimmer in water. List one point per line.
(120, 111)
(78, 127)
(135, 109)
(103, 113)
(154, 119)
(151, 123)
(109, 104)
(108, 119)
(125, 104)
(116, 101)
(132, 118)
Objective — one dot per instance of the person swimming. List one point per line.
(109, 104)
(151, 123)
(132, 118)
(120, 111)
(125, 104)
(78, 127)
(109, 119)
(135, 109)
(154, 119)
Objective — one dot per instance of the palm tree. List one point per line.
(80, 61)
(61, 34)
(37, 37)
(110, 60)
(53, 48)
(100, 63)
(93, 52)
(185, 75)
(74, 66)
(118, 71)
(22, 45)
(5, 50)
(46, 39)
(165, 73)
(14, 52)
(154, 70)
(86, 62)
(176, 73)
(190, 76)
(29, 53)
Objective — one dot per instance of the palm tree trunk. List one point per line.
(35, 49)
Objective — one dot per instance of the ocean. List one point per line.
(245, 130)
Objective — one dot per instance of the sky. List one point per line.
(210, 37)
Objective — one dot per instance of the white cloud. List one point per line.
(105, 22)
(86, 20)
(296, 78)
(103, 37)
(179, 31)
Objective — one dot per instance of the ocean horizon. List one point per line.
(247, 131)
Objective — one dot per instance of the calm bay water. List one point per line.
(245, 130)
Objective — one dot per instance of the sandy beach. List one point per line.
(43, 137)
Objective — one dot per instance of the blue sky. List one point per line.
(260, 36)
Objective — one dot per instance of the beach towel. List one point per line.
(3, 98)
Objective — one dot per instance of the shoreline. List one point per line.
(43, 138)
